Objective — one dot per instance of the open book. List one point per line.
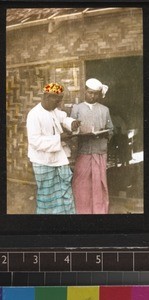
(100, 131)
(77, 132)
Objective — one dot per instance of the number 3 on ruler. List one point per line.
(35, 259)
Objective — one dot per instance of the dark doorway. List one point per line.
(124, 76)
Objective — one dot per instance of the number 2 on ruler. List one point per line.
(4, 259)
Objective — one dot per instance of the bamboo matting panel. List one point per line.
(23, 87)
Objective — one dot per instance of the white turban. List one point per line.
(96, 85)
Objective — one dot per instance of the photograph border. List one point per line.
(72, 224)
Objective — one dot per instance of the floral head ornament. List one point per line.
(55, 88)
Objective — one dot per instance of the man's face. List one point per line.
(92, 96)
(51, 101)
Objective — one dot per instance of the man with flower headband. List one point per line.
(47, 153)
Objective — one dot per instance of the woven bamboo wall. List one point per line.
(32, 61)
(21, 97)
(23, 92)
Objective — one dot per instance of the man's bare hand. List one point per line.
(65, 136)
(75, 124)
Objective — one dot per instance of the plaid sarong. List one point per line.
(54, 192)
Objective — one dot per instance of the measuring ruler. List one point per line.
(73, 266)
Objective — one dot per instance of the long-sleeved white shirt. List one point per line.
(44, 140)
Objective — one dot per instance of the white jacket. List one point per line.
(44, 140)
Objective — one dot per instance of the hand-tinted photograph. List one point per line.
(74, 101)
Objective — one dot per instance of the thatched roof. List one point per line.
(18, 17)
(23, 15)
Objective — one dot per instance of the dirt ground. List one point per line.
(21, 199)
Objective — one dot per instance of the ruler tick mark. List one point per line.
(54, 256)
(101, 261)
(86, 256)
(7, 261)
(60, 278)
(11, 278)
(117, 257)
(70, 261)
(39, 260)
(44, 278)
(23, 257)
(133, 261)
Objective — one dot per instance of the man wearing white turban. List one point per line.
(89, 180)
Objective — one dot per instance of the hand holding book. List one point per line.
(102, 133)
